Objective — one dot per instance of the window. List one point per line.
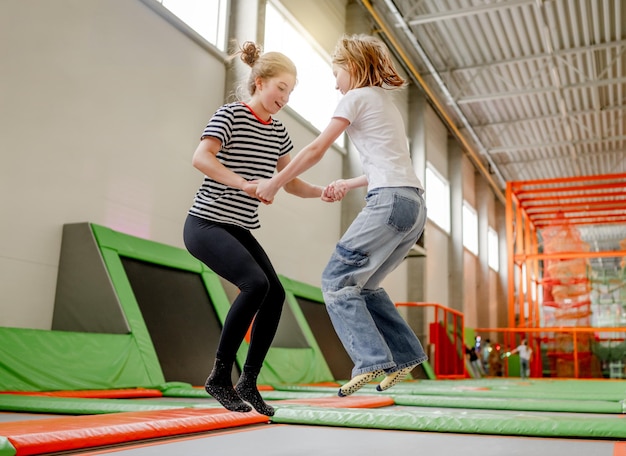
(493, 250)
(208, 18)
(470, 228)
(314, 97)
(438, 198)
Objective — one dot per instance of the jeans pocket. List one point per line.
(343, 264)
(350, 257)
(403, 214)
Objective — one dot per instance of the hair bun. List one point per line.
(250, 53)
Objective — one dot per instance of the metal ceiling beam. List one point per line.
(531, 58)
(618, 220)
(561, 158)
(582, 112)
(536, 184)
(560, 197)
(524, 92)
(464, 12)
(544, 145)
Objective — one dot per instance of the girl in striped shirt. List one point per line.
(242, 143)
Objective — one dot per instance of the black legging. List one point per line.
(234, 254)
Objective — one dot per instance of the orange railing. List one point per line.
(446, 346)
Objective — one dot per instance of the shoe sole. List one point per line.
(357, 383)
(394, 378)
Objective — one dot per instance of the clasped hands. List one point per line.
(335, 191)
(265, 191)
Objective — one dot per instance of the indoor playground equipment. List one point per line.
(565, 287)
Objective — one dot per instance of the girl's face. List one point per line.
(342, 79)
(272, 94)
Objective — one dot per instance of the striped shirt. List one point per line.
(250, 148)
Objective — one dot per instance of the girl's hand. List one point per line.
(250, 189)
(335, 191)
(327, 195)
(265, 191)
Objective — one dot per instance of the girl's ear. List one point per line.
(258, 82)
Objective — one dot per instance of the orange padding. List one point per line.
(69, 433)
(344, 402)
(100, 394)
(619, 449)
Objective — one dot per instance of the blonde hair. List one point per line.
(368, 61)
(264, 65)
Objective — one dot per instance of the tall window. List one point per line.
(438, 198)
(493, 250)
(314, 97)
(470, 228)
(207, 18)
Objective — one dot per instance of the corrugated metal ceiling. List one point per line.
(535, 89)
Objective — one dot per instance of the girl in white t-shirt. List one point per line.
(374, 334)
(525, 352)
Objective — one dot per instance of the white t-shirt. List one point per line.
(524, 352)
(377, 130)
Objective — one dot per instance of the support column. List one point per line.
(483, 195)
(455, 243)
(502, 314)
(417, 142)
(416, 262)
(246, 23)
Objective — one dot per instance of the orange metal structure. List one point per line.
(549, 265)
(445, 338)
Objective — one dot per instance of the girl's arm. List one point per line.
(298, 186)
(304, 160)
(336, 190)
(354, 182)
(205, 160)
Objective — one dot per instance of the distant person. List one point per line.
(484, 354)
(474, 362)
(242, 143)
(525, 353)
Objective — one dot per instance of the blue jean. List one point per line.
(366, 320)
(524, 367)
